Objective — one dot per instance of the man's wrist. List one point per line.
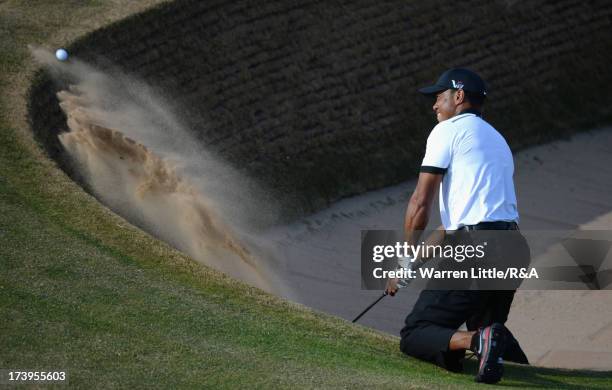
(405, 261)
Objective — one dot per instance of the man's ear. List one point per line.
(459, 96)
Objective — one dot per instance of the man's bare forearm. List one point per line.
(419, 206)
(416, 220)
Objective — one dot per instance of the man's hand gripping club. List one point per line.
(394, 284)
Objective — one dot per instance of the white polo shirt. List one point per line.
(478, 167)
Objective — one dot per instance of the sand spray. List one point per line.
(136, 157)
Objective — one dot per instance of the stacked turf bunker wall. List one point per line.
(317, 99)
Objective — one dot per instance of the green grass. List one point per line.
(82, 290)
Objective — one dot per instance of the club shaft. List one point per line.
(369, 307)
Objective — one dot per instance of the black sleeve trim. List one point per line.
(434, 170)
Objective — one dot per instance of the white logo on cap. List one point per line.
(457, 84)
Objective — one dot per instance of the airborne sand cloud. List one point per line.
(137, 158)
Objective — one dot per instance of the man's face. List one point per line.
(445, 105)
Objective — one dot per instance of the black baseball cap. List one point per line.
(457, 78)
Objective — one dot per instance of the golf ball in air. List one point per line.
(61, 54)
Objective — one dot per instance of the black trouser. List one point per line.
(438, 314)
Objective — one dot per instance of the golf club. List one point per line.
(384, 294)
(413, 265)
(401, 284)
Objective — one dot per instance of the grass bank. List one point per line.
(83, 290)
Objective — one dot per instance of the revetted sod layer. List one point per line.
(317, 98)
